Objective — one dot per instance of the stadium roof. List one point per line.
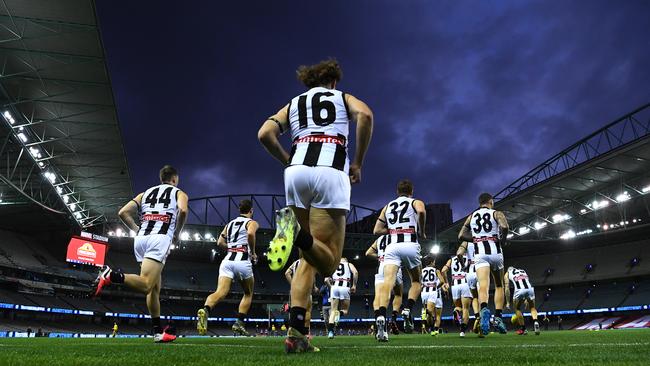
(600, 183)
(60, 142)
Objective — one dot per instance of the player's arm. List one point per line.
(380, 225)
(182, 203)
(462, 249)
(422, 218)
(251, 231)
(128, 212)
(443, 280)
(288, 274)
(222, 241)
(503, 226)
(328, 281)
(355, 277)
(270, 132)
(362, 115)
(465, 233)
(372, 251)
(506, 286)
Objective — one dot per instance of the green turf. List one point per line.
(629, 347)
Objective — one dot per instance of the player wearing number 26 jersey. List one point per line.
(317, 178)
(162, 212)
(486, 231)
(402, 220)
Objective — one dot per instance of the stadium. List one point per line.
(579, 225)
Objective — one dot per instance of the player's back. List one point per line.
(485, 231)
(319, 123)
(458, 270)
(402, 220)
(237, 239)
(342, 277)
(429, 279)
(519, 278)
(159, 210)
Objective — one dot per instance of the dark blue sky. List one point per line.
(467, 95)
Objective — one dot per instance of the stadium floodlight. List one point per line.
(73, 206)
(208, 236)
(59, 190)
(50, 176)
(584, 232)
(568, 235)
(646, 189)
(35, 152)
(197, 236)
(523, 230)
(558, 217)
(41, 164)
(77, 215)
(22, 137)
(356, 257)
(111, 233)
(634, 221)
(172, 247)
(605, 227)
(435, 249)
(185, 235)
(623, 197)
(7, 114)
(599, 204)
(539, 225)
(119, 232)
(583, 211)
(66, 199)
(132, 233)
(509, 236)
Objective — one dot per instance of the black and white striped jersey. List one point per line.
(519, 278)
(402, 221)
(382, 242)
(485, 232)
(237, 239)
(471, 265)
(342, 277)
(159, 210)
(319, 123)
(458, 270)
(429, 279)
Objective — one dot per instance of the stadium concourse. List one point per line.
(580, 220)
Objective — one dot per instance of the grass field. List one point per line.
(626, 347)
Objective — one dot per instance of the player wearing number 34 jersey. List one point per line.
(162, 210)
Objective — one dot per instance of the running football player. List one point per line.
(460, 292)
(317, 180)
(487, 229)
(162, 213)
(377, 251)
(344, 284)
(238, 238)
(524, 294)
(403, 220)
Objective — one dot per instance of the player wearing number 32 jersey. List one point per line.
(486, 231)
(162, 210)
(317, 179)
(402, 219)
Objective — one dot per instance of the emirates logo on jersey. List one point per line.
(87, 252)
(320, 138)
(155, 217)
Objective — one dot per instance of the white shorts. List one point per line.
(458, 291)
(236, 270)
(524, 294)
(340, 292)
(437, 299)
(472, 281)
(154, 247)
(379, 277)
(428, 297)
(495, 261)
(316, 186)
(403, 253)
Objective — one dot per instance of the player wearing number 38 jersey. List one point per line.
(317, 179)
(486, 231)
(163, 210)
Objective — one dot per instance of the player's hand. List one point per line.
(353, 289)
(445, 287)
(508, 305)
(355, 173)
(254, 258)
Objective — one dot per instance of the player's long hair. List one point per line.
(320, 74)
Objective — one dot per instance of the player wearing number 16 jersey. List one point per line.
(486, 230)
(317, 179)
(163, 210)
(238, 238)
(403, 220)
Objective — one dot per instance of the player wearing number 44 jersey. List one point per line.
(377, 251)
(317, 179)
(402, 219)
(486, 230)
(238, 238)
(163, 210)
(524, 293)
